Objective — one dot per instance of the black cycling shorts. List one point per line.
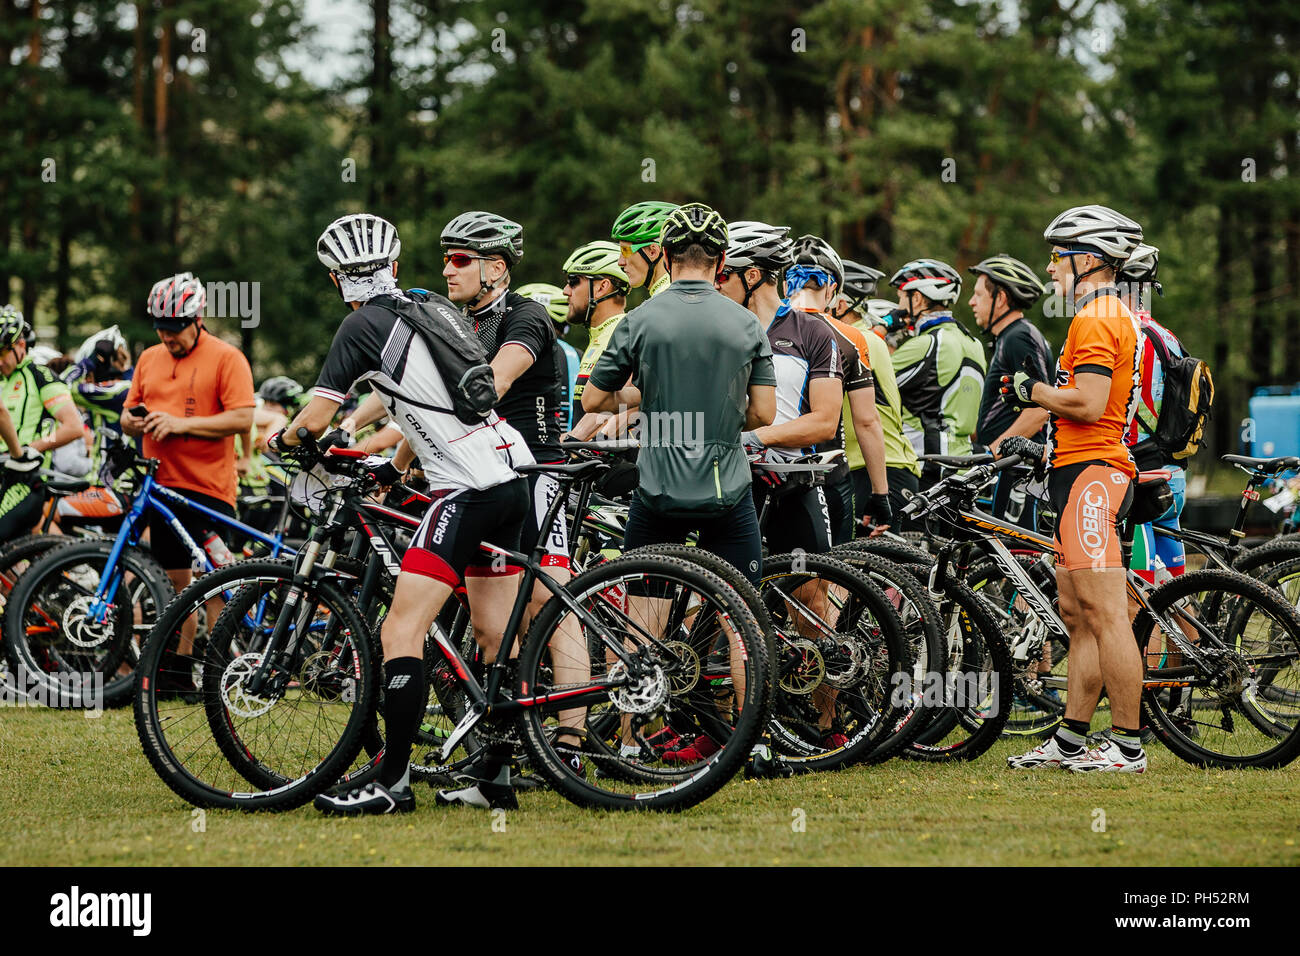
(799, 520)
(732, 535)
(541, 492)
(170, 551)
(20, 509)
(839, 504)
(446, 546)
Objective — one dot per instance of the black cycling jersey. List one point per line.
(804, 347)
(1017, 342)
(532, 405)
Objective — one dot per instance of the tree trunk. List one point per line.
(1229, 415)
(382, 135)
(31, 211)
(1261, 269)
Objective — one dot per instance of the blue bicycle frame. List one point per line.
(152, 495)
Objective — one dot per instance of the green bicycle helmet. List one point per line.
(12, 326)
(485, 232)
(695, 224)
(1022, 285)
(641, 223)
(551, 297)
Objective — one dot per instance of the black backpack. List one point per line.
(461, 359)
(1185, 409)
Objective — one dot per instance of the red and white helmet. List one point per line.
(177, 301)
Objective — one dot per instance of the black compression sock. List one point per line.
(405, 697)
(1128, 741)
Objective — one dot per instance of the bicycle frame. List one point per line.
(987, 533)
(153, 495)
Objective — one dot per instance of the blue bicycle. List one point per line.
(74, 621)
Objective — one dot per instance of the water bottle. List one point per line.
(217, 551)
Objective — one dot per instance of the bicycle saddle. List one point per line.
(1269, 466)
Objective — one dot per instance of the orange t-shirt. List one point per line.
(1103, 339)
(213, 378)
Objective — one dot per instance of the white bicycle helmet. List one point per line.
(937, 281)
(112, 335)
(1114, 235)
(358, 244)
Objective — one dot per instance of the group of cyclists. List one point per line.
(773, 347)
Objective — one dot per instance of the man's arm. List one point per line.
(233, 421)
(70, 429)
(511, 361)
(9, 433)
(761, 409)
(1084, 403)
(368, 412)
(1029, 423)
(825, 400)
(870, 432)
(315, 417)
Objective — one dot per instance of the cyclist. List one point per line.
(479, 250)
(477, 495)
(197, 393)
(597, 288)
(809, 377)
(99, 380)
(556, 303)
(859, 415)
(1005, 288)
(641, 255)
(1138, 278)
(859, 288)
(33, 398)
(940, 369)
(1090, 486)
(689, 355)
(901, 467)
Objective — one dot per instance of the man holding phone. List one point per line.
(191, 395)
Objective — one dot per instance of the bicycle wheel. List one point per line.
(1038, 696)
(671, 644)
(1264, 558)
(843, 669)
(926, 642)
(51, 636)
(210, 738)
(976, 687)
(1233, 704)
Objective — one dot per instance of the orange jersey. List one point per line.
(1103, 339)
(213, 378)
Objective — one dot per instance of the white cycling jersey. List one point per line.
(373, 345)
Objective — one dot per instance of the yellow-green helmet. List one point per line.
(599, 258)
(640, 224)
(551, 297)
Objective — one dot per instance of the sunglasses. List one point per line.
(461, 259)
(1055, 257)
(627, 248)
(574, 279)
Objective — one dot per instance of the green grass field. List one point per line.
(79, 791)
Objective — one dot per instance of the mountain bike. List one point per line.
(1213, 641)
(81, 609)
(284, 706)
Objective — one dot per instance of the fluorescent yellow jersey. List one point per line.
(596, 342)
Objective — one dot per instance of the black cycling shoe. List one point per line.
(571, 757)
(765, 765)
(373, 798)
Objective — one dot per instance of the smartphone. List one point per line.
(139, 411)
